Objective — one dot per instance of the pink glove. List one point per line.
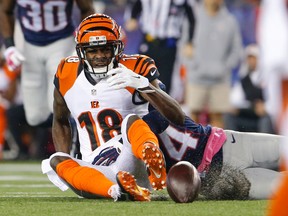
(13, 58)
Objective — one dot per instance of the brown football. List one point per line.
(183, 182)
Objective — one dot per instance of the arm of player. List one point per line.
(7, 21)
(61, 130)
(164, 103)
(188, 46)
(123, 77)
(131, 24)
(86, 8)
(13, 57)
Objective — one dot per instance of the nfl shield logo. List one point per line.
(93, 91)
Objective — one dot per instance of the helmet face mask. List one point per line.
(98, 43)
(99, 56)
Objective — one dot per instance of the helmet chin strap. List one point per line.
(101, 72)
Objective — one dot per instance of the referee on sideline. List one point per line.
(161, 23)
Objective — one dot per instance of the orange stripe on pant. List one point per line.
(3, 125)
(84, 178)
(138, 134)
(278, 204)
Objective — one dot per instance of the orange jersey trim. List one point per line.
(67, 71)
(140, 64)
(66, 74)
(284, 95)
(12, 75)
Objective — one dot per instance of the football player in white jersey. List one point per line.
(107, 93)
(46, 26)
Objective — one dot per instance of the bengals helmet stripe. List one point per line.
(98, 24)
(98, 30)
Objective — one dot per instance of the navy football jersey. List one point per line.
(185, 143)
(43, 22)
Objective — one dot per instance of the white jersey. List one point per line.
(97, 108)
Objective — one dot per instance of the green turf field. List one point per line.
(25, 191)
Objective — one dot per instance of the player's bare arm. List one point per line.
(86, 7)
(122, 77)
(61, 129)
(7, 18)
(13, 57)
(164, 103)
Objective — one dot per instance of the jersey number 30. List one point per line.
(50, 16)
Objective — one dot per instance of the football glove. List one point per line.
(107, 156)
(123, 77)
(13, 58)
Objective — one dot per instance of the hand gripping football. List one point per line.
(183, 182)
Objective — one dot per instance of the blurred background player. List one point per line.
(161, 23)
(248, 112)
(217, 50)
(7, 95)
(19, 140)
(48, 28)
(273, 41)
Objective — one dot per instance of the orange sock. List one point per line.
(84, 178)
(278, 204)
(139, 133)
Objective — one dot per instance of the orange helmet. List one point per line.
(98, 30)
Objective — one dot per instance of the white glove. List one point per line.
(123, 77)
(13, 58)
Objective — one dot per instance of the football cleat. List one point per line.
(129, 186)
(155, 164)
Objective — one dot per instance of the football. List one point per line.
(183, 182)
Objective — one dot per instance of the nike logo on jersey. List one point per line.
(138, 77)
(152, 73)
(233, 139)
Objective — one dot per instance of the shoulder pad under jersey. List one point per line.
(66, 74)
(140, 64)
